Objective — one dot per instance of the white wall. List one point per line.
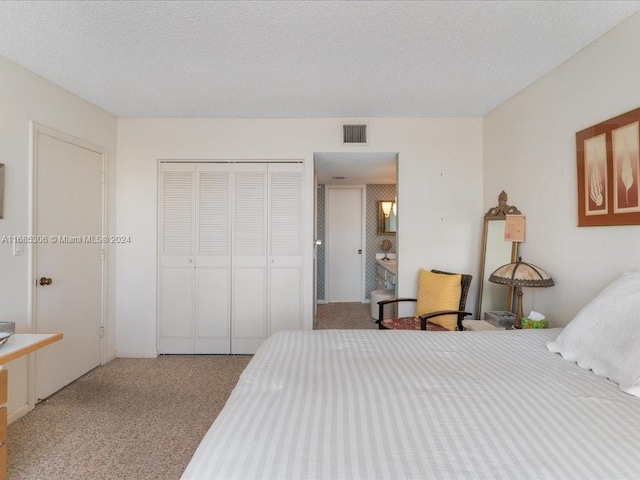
(439, 194)
(26, 97)
(529, 151)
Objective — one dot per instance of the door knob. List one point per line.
(45, 281)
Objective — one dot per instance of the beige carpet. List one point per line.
(345, 315)
(137, 419)
(130, 419)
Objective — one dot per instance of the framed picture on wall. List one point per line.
(608, 162)
(625, 144)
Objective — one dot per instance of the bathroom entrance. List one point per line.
(376, 174)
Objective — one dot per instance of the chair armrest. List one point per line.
(382, 303)
(395, 300)
(424, 318)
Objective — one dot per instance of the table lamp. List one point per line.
(521, 274)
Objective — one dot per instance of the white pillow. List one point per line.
(605, 335)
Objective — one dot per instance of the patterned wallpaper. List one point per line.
(320, 251)
(374, 194)
(373, 240)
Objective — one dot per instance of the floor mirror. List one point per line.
(495, 253)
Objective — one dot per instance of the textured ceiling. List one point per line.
(300, 59)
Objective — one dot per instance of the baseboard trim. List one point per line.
(18, 413)
(128, 354)
(321, 302)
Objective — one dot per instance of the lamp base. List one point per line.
(518, 322)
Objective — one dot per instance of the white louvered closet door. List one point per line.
(285, 273)
(230, 255)
(249, 258)
(177, 258)
(213, 260)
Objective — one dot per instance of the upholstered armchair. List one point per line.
(440, 304)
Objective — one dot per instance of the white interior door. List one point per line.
(344, 233)
(69, 208)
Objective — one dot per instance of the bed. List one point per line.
(351, 404)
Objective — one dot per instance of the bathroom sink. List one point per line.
(390, 264)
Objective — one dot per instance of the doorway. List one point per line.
(68, 274)
(377, 173)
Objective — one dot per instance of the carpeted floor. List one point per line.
(345, 315)
(129, 419)
(137, 419)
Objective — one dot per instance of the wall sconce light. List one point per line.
(386, 208)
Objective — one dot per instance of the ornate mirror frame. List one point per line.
(495, 253)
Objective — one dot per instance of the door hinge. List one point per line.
(102, 178)
(101, 332)
(101, 254)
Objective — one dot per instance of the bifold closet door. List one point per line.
(267, 278)
(176, 290)
(249, 258)
(230, 271)
(285, 273)
(195, 258)
(212, 316)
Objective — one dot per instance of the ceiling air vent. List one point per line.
(354, 134)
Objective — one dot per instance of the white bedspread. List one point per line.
(350, 404)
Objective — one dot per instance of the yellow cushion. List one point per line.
(436, 292)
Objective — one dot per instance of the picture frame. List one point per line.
(608, 167)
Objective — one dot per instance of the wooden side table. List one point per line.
(18, 345)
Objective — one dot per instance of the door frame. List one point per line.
(36, 129)
(315, 251)
(363, 227)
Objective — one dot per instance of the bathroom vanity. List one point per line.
(386, 274)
